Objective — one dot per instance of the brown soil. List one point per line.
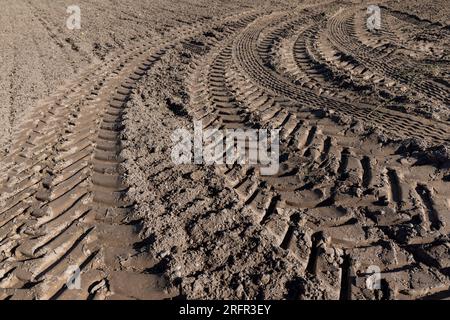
(87, 178)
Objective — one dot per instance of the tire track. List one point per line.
(341, 203)
(71, 209)
(341, 34)
(323, 223)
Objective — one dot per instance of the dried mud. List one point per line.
(87, 177)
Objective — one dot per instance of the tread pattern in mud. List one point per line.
(64, 200)
(343, 201)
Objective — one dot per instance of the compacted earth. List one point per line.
(92, 206)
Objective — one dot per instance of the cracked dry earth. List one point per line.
(86, 178)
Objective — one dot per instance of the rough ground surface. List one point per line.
(39, 53)
(87, 179)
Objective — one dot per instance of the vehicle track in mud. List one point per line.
(346, 197)
(350, 196)
(63, 200)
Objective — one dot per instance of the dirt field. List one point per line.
(88, 187)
